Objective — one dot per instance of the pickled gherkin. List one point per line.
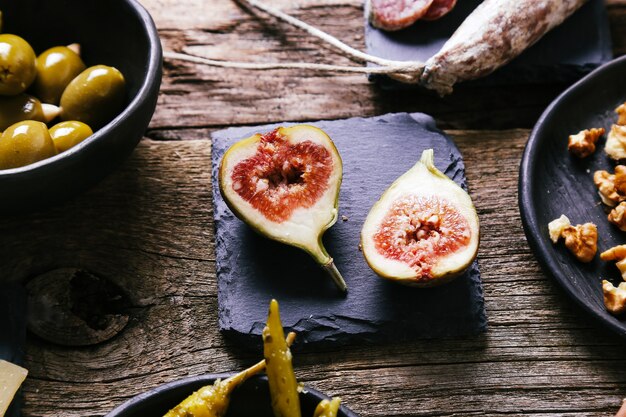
(213, 400)
(280, 374)
(327, 408)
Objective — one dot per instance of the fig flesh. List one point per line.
(285, 185)
(424, 230)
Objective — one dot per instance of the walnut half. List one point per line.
(621, 114)
(615, 145)
(617, 216)
(614, 297)
(611, 187)
(581, 240)
(583, 143)
(616, 253)
(556, 226)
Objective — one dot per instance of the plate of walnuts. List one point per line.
(572, 193)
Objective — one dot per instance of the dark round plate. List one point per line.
(251, 399)
(553, 183)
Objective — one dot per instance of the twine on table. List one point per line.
(405, 71)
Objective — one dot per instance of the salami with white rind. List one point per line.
(438, 9)
(396, 14)
(496, 32)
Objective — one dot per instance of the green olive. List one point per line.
(14, 109)
(25, 143)
(17, 65)
(94, 97)
(68, 134)
(56, 67)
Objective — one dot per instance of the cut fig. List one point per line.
(285, 185)
(424, 229)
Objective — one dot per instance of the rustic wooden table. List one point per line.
(148, 228)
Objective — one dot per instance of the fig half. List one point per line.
(285, 185)
(424, 229)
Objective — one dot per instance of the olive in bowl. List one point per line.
(115, 33)
(17, 65)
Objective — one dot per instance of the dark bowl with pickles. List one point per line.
(251, 399)
(116, 33)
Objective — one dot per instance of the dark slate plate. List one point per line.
(12, 332)
(580, 44)
(252, 270)
(554, 183)
(251, 399)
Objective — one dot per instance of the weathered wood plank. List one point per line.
(195, 95)
(148, 228)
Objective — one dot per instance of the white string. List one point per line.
(405, 71)
(311, 30)
(401, 70)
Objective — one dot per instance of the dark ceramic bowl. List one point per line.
(251, 399)
(119, 33)
(552, 182)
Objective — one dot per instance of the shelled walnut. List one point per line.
(611, 187)
(616, 253)
(616, 142)
(621, 114)
(617, 216)
(614, 297)
(581, 240)
(583, 143)
(556, 226)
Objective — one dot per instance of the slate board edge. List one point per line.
(252, 339)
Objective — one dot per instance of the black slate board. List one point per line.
(580, 44)
(12, 332)
(251, 270)
(552, 182)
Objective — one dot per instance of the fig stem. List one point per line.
(336, 276)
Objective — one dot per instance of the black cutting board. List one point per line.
(569, 51)
(251, 269)
(12, 332)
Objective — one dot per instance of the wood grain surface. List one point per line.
(148, 229)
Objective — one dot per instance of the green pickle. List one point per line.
(280, 375)
(213, 400)
(17, 65)
(14, 109)
(56, 67)
(25, 143)
(95, 96)
(68, 134)
(327, 408)
(209, 401)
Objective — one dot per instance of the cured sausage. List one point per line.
(438, 9)
(492, 35)
(396, 14)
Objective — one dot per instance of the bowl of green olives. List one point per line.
(79, 82)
